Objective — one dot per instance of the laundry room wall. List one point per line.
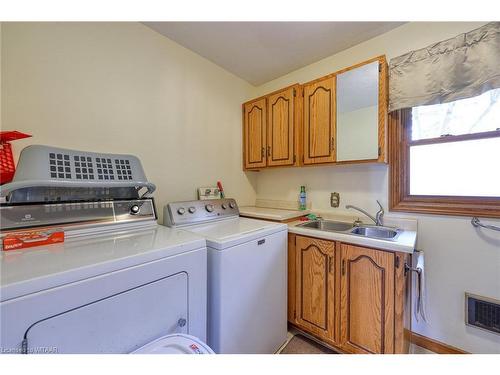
(123, 88)
(458, 258)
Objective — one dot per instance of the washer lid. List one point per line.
(175, 344)
(227, 233)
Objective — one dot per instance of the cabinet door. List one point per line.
(315, 271)
(281, 128)
(361, 93)
(367, 300)
(254, 134)
(319, 121)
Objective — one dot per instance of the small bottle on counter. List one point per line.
(302, 198)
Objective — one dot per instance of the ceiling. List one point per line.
(259, 52)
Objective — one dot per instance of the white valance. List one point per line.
(457, 68)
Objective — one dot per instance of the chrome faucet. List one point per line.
(378, 216)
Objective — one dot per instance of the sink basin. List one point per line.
(369, 231)
(376, 232)
(328, 225)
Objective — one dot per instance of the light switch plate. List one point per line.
(208, 193)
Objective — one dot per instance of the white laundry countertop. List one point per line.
(276, 214)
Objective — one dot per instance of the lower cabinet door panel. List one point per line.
(315, 295)
(367, 300)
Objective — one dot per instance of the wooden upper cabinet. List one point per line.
(271, 129)
(367, 300)
(319, 121)
(315, 286)
(281, 132)
(254, 134)
(336, 119)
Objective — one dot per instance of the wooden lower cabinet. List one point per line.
(367, 300)
(315, 286)
(351, 297)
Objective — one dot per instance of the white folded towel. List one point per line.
(419, 267)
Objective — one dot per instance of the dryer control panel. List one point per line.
(200, 211)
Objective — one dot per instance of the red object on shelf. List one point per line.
(7, 165)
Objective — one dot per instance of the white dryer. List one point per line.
(247, 275)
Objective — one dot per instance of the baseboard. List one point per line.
(433, 345)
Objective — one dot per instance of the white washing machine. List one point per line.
(247, 275)
(119, 283)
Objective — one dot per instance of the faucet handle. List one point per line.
(379, 215)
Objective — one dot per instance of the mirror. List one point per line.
(357, 113)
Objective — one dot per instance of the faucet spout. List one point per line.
(377, 219)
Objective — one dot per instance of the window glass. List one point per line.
(474, 115)
(465, 168)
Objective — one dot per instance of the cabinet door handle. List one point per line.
(332, 143)
(263, 151)
(330, 264)
(268, 151)
(343, 267)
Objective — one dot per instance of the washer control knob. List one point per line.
(224, 206)
(192, 209)
(181, 211)
(209, 207)
(135, 209)
(232, 204)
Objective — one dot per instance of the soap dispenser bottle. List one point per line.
(302, 198)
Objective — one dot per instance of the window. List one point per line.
(445, 158)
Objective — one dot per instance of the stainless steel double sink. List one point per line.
(370, 231)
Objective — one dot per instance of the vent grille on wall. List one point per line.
(482, 312)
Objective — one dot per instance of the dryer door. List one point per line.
(117, 324)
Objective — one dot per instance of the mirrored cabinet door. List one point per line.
(358, 113)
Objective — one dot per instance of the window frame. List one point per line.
(399, 133)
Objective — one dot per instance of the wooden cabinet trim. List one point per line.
(295, 85)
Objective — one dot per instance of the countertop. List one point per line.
(404, 243)
(276, 214)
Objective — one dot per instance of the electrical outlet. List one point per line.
(335, 199)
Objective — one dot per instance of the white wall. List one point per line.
(458, 259)
(123, 88)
